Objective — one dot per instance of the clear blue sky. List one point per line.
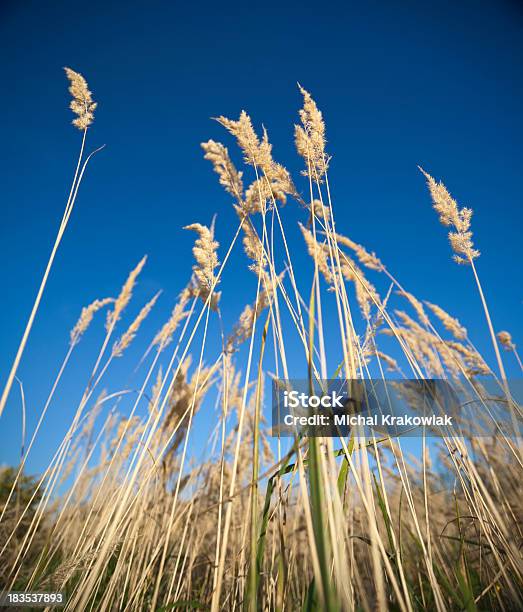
(400, 84)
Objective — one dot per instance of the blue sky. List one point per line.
(400, 84)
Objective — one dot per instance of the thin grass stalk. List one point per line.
(255, 566)
(68, 209)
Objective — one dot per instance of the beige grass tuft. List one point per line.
(125, 295)
(86, 316)
(82, 103)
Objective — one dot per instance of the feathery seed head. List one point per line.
(120, 346)
(319, 253)
(243, 327)
(310, 138)
(451, 216)
(449, 323)
(155, 391)
(276, 183)
(318, 209)
(82, 103)
(258, 194)
(125, 295)
(391, 363)
(369, 260)
(248, 141)
(505, 340)
(473, 360)
(86, 316)
(366, 294)
(204, 252)
(253, 248)
(417, 305)
(164, 336)
(230, 178)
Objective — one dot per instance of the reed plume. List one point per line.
(505, 339)
(277, 183)
(142, 520)
(473, 360)
(319, 253)
(255, 152)
(310, 138)
(253, 247)
(416, 304)
(120, 346)
(125, 296)
(391, 363)
(318, 209)
(451, 215)
(164, 336)
(449, 323)
(83, 106)
(230, 178)
(369, 260)
(82, 103)
(366, 294)
(86, 316)
(243, 327)
(205, 253)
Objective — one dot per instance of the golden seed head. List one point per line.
(310, 138)
(86, 316)
(369, 260)
(120, 346)
(366, 294)
(125, 295)
(230, 178)
(505, 339)
(164, 336)
(319, 253)
(452, 216)
(82, 103)
(449, 323)
(416, 304)
(276, 182)
(205, 252)
(320, 210)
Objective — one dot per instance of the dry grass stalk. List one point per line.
(372, 528)
(83, 106)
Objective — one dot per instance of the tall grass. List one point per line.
(124, 518)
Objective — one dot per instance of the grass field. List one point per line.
(123, 518)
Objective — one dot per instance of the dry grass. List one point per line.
(124, 518)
